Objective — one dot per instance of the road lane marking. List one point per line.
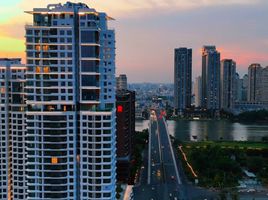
(172, 153)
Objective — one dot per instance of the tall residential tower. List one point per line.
(254, 82)
(182, 79)
(210, 78)
(71, 142)
(12, 130)
(198, 91)
(228, 83)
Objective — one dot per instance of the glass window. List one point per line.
(89, 66)
(89, 36)
(89, 80)
(90, 95)
(89, 51)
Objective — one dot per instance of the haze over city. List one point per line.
(150, 30)
(133, 100)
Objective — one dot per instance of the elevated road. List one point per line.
(163, 177)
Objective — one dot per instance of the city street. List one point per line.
(163, 180)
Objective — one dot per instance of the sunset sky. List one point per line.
(147, 31)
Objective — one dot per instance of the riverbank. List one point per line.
(224, 164)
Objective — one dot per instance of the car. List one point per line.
(251, 190)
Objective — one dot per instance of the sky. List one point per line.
(147, 31)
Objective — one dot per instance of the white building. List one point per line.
(12, 130)
(71, 142)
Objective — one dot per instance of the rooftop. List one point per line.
(68, 7)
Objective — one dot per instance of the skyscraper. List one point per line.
(210, 78)
(238, 88)
(264, 85)
(228, 83)
(121, 82)
(198, 91)
(125, 131)
(12, 130)
(254, 82)
(71, 104)
(244, 88)
(182, 79)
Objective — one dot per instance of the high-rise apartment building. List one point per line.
(198, 91)
(121, 82)
(182, 79)
(264, 85)
(12, 130)
(125, 131)
(210, 78)
(228, 84)
(254, 82)
(71, 104)
(244, 88)
(238, 88)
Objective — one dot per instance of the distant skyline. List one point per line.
(147, 32)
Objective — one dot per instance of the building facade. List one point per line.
(71, 141)
(228, 84)
(121, 82)
(182, 79)
(238, 88)
(198, 91)
(210, 78)
(254, 82)
(12, 130)
(125, 130)
(264, 85)
(244, 88)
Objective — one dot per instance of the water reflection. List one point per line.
(211, 130)
(240, 132)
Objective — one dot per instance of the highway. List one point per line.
(163, 179)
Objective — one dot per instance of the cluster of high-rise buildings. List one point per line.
(219, 86)
(58, 112)
(67, 124)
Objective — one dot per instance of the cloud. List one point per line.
(146, 43)
(147, 31)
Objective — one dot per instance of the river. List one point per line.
(212, 130)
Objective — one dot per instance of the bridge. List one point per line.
(160, 178)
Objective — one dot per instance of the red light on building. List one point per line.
(119, 109)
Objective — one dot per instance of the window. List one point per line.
(89, 66)
(89, 80)
(89, 95)
(54, 160)
(89, 36)
(89, 51)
